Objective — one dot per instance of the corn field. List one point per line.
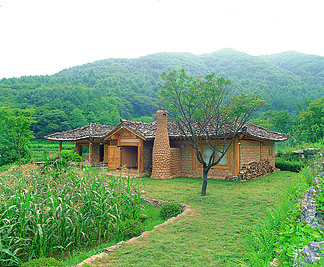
(47, 212)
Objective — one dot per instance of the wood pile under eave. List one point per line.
(255, 169)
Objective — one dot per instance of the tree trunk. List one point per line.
(204, 186)
(19, 157)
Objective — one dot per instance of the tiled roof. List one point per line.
(263, 133)
(92, 130)
(147, 131)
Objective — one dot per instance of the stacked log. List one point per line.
(255, 169)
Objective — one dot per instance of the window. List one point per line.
(207, 152)
(113, 143)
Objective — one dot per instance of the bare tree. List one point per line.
(205, 111)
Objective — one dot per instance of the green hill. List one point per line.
(106, 90)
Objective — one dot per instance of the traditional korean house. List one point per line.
(161, 147)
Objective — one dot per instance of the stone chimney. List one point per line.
(161, 155)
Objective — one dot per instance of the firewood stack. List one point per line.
(255, 169)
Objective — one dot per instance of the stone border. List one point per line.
(156, 203)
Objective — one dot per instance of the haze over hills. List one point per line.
(106, 90)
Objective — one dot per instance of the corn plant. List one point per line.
(50, 212)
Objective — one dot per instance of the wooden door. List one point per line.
(113, 157)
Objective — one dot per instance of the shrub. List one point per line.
(42, 262)
(63, 158)
(131, 228)
(292, 166)
(170, 210)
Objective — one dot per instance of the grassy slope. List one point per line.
(213, 235)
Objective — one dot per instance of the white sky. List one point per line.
(45, 36)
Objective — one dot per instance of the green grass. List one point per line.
(214, 234)
(153, 219)
(40, 150)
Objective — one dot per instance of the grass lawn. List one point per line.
(213, 234)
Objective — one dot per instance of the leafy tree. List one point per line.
(8, 154)
(50, 121)
(15, 129)
(203, 109)
(280, 121)
(77, 119)
(312, 121)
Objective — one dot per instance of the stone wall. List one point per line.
(185, 156)
(186, 159)
(254, 151)
(147, 154)
(218, 174)
(175, 162)
(249, 151)
(161, 149)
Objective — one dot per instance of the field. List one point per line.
(54, 210)
(214, 234)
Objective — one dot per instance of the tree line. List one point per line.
(107, 90)
(307, 126)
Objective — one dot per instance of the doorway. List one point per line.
(130, 157)
(102, 153)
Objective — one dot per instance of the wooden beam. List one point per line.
(60, 146)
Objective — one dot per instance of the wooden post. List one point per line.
(140, 156)
(90, 153)
(77, 151)
(236, 156)
(60, 146)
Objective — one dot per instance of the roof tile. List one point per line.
(147, 131)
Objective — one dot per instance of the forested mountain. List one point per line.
(106, 90)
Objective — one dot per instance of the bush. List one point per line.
(9, 155)
(131, 228)
(170, 210)
(292, 166)
(42, 262)
(63, 158)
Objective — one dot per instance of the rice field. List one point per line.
(48, 212)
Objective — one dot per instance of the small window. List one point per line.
(113, 142)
